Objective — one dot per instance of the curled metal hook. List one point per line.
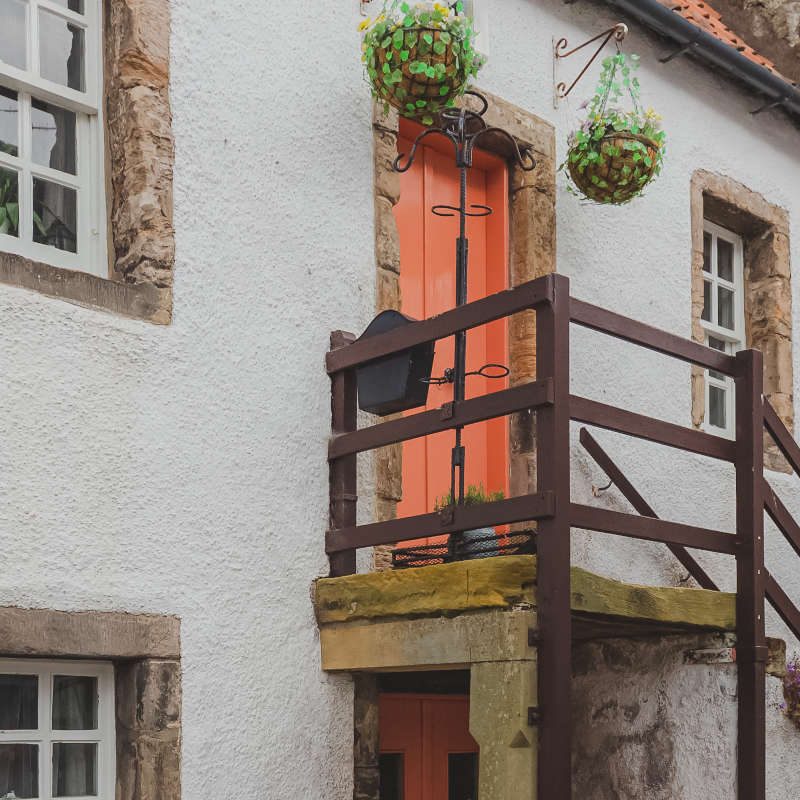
(618, 33)
(454, 211)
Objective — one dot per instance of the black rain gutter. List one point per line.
(696, 41)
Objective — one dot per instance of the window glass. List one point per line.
(55, 212)
(13, 35)
(19, 699)
(725, 260)
(725, 308)
(61, 51)
(74, 769)
(9, 202)
(19, 770)
(53, 136)
(391, 767)
(9, 122)
(462, 776)
(706, 301)
(707, 244)
(716, 407)
(74, 703)
(72, 5)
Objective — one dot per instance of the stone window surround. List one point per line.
(764, 227)
(139, 160)
(145, 651)
(532, 253)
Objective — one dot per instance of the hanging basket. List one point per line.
(617, 151)
(419, 59)
(430, 78)
(616, 169)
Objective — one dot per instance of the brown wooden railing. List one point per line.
(551, 506)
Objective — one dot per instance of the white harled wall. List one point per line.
(182, 469)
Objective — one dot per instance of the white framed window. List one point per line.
(52, 196)
(722, 319)
(57, 730)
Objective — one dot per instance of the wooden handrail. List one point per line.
(780, 601)
(650, 529)
(629, 330)
(780, 434)
(592, 412)
(452, 520)
(462, 318)
(780, 515)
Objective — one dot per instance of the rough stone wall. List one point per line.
(771, 26)
(139, 132)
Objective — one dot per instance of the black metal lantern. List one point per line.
(398, 382)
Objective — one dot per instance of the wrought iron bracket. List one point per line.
(618, 33)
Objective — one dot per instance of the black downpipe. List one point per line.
(702, 44)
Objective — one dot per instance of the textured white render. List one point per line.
(182, 469)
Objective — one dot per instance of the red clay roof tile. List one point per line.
(710, 20)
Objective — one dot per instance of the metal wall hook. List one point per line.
(618, 33)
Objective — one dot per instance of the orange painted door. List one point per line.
(427, 752)
(428, 287)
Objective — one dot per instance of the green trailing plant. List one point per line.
(473, 496)
(616, 152)
(419, 57)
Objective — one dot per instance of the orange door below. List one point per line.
(427, 285)
(427, 752)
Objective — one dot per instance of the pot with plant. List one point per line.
(616, 152)
(479, 542)
(419, 56)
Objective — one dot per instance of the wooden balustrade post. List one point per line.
(344, 469)
(751, 646)
(553, 548)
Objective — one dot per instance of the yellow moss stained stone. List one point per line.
(449, 589)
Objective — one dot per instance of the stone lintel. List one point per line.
(87, 634)
(427, 644)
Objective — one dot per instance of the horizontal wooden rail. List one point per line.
(592, 412)
(449, 416)
(630, 493)
(780, 601)
(495, 306)
(599, 319)
(785, 441)
(781, 517)
(461, 518)
(650, 529)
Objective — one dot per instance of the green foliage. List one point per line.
(473, 496)
(419, 57)
(9, 202)
(617, 152)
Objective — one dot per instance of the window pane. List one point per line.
(53, 136)
(13, 36)
(706, 315)
(462, 776)
(72, 5)
(74, 769)
(19, 770)
(9, 202)
(19, 703)
(707, 244)
(55, 212)
(9, 122)
(391, 776)
(74, 703)
(725, 260)
(716, 407)
(61, 51)
(725, 315)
